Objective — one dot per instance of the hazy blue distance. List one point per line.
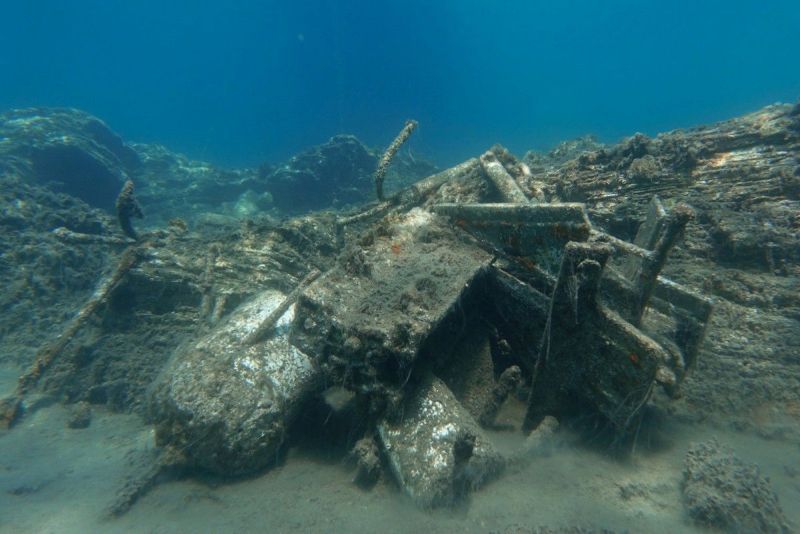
(240, 82)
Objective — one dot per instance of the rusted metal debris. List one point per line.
(405, 321)
(11, 408)
(435, 312)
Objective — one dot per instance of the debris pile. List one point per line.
(416, 275)
(431, 309)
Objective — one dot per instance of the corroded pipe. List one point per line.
(386, 160)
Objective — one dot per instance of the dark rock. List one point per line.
(405, 170)
(68, 150)
(80, 415)
(72, 152)
(795, 110)
(335, 173)
(127, 209)
(721, 491)
(368, 463)
(338, 173)
(11, 409)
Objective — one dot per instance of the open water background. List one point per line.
(241, 82)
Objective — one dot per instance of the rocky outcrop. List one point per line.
(70, 151)
(336, 173)
(171, 185)
(742, 176)
(67, 150)
(561, 153)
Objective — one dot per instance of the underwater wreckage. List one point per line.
(443, 302)
(413, 318)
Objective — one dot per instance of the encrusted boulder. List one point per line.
(721, 491)
(68, 150)
(338, 172)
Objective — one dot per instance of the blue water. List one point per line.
(241, 82)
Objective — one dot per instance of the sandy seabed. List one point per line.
(58, 480)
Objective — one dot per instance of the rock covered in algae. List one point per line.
(68, 150)
(722, 491)
(338, 171)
